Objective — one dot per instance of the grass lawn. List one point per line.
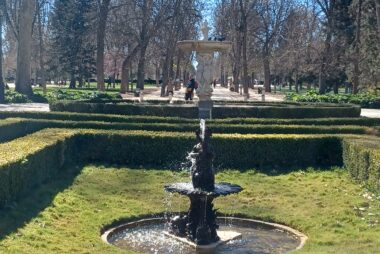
(66, 216)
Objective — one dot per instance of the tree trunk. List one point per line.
(336, 88)
(296, 83)
(245, 60)
(222, 77)
(235, 74)
(41, 55)
(72, 81)
(141, 68)
(266, 74)
(2, 86)
(102, 22)
(356, 72)
(325, 57)
(157, 76)
(24, 47)
(166, 70)
(378, 17)
(124, 86)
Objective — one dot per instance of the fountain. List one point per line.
(199, 227)
(200, 230)
(205, 57)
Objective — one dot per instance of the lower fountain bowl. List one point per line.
(148, 236)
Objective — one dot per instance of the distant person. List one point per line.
(170, 87)
(214, 83)
(191, 85)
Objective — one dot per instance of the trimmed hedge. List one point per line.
(219, 111)
(13, 128)
(156, 119)
(30, 160)
(362, 159)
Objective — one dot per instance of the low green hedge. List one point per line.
(30, 160)
(365, 100)
(362, 121)
(362, 159)
(13, 128)
(218, 112)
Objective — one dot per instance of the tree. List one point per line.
(2, 86)
(356, 59)
(180, 26)
(271, 17)
(339, 35)
(378, 17)
(20, 19)
(72, 42)
(103, 10)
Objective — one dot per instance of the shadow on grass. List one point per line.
(18, 214)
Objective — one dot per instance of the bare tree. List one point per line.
(20, 19)
(378, 17)
(2, 86)
(103, 10)
(356, 58)
(272, 16)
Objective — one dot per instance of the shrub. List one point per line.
(362, 160)
(13, 128)
(30, 160)
(15, 97)
(156, 119)
(219, 111)
(364, 99)
(64, 94)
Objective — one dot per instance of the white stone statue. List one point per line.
(205, 75)
(205, 29)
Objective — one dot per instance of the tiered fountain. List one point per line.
(205, 50)
(199, 226)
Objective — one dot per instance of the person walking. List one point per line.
(191, 85)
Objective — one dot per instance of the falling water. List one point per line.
(203, 129)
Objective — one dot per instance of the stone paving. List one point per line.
(40, 107)
(220, 93)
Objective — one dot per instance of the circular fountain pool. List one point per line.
(147, 236)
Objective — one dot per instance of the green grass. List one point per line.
(66, 216)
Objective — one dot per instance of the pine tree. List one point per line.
(72, 38)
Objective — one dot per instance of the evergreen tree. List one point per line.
(72, 38)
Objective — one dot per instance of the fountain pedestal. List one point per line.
(199, 225)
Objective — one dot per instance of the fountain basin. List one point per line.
(225, 236)
(221, 189)
(146, 236)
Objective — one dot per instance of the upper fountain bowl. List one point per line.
(204, 46)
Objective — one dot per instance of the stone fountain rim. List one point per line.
(138, 222)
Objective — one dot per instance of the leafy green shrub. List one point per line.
(221, 111)
(13, 128)
(65, 94)
(362, 159)
(365, 100)
(361, 121)
(15, 97)
(30, 160)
